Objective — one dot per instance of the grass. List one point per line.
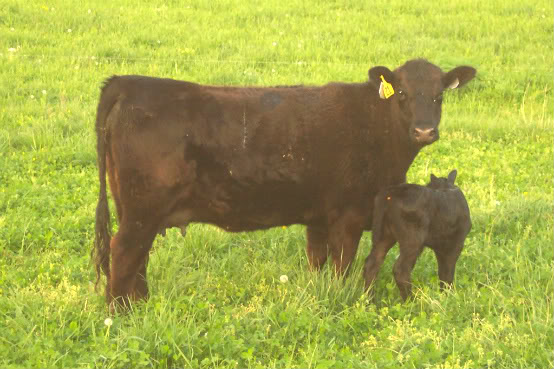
(217, 300)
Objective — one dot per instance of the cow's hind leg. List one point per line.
(141, 284)
(129, 251)
(317, 248)
(409, 252)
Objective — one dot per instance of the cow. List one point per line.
(436, 215)
(251, 158)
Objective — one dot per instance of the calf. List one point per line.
(436, 215)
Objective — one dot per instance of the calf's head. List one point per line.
(416, 100)
(443, 183)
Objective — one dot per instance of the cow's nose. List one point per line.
(425, 135)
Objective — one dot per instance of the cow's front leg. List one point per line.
(344, 236)
(317, 248)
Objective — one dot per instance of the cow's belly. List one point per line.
(258, 209)
(238, 207)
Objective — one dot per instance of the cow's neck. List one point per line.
(400, 149)
(391, 151)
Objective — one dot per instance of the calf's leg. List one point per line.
(446, 260)
(409, 252)
(376, 257)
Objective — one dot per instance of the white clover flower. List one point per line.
(44, 92)
(284, 278)
(69, 30)
(108, 322)
(12, 49)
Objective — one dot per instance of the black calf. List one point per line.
(436, 215)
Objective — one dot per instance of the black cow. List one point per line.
(253, 158)
(436, 216)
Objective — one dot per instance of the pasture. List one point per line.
(219, 299)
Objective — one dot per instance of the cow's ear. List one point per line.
(452, 176)
(433, 177)
(380, 75)
(458, 77)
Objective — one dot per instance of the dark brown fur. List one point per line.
(254, 158)
(415, 216)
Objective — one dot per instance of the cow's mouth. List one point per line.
(424, 137)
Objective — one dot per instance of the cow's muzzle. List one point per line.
(425, 136)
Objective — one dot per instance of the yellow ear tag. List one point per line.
(385, 89)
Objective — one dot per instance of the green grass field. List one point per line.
(217, 299)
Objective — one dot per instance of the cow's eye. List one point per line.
(438, 99)
(401, 95)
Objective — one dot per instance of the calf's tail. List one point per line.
(101, 251)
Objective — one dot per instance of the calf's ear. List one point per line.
(458, 77)
(452, 176)
(376, 77)
(433, 177)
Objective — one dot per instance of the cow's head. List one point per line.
(418, 87)
(443, 183)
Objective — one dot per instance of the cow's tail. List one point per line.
(378, 215)
(101, 252)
